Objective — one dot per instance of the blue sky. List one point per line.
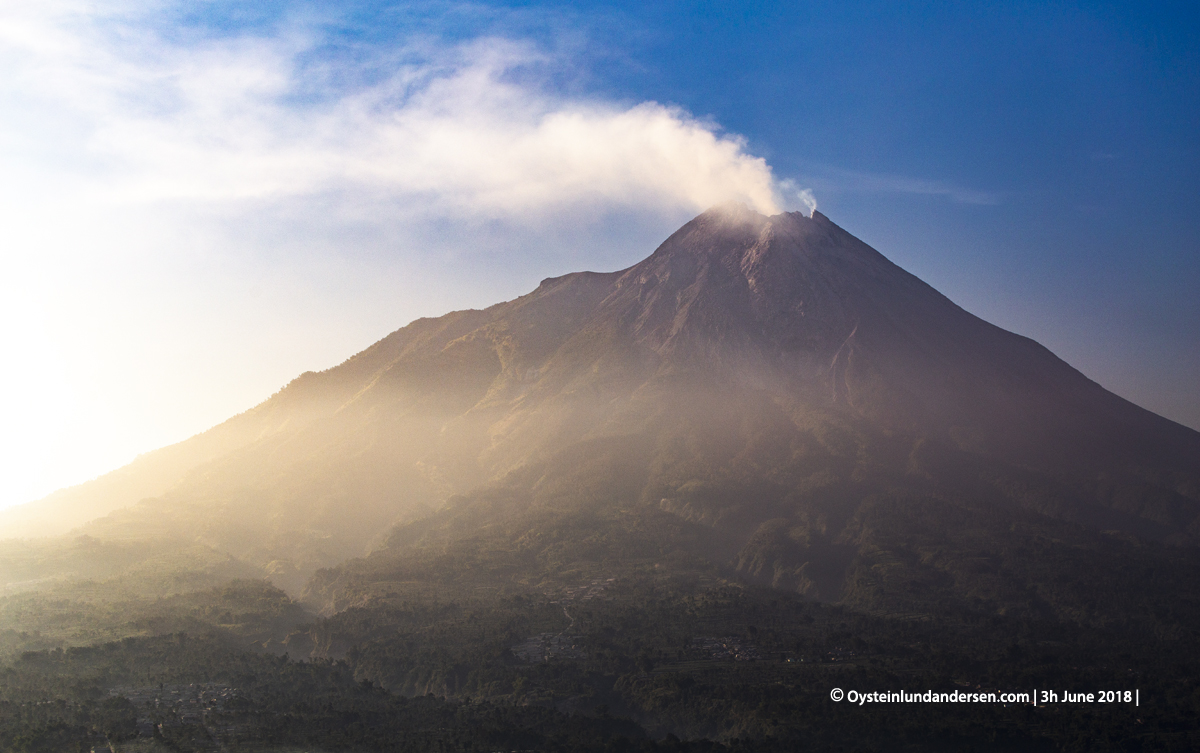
(206, 198)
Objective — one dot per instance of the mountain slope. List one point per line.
(772, 384)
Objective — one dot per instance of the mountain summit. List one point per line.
(771, 389)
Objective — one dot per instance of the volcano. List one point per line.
(766, 393)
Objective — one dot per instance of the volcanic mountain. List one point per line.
(769, 394)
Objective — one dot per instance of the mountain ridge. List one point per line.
(762, 368)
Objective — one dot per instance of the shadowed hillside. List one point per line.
(770, 381)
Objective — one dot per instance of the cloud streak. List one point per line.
(844, 180)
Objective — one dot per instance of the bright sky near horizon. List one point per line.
(201, 200)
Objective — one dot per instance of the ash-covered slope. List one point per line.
(799, 305)
(770, 382)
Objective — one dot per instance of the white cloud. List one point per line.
(454, 130)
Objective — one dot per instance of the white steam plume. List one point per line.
(461, 129)
(795, 197)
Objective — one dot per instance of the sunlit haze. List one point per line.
(199, 205)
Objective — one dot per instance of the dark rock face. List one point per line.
(769, 391)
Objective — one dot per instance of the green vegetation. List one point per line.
(89, 612)
(643, 648)
(472, 645)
